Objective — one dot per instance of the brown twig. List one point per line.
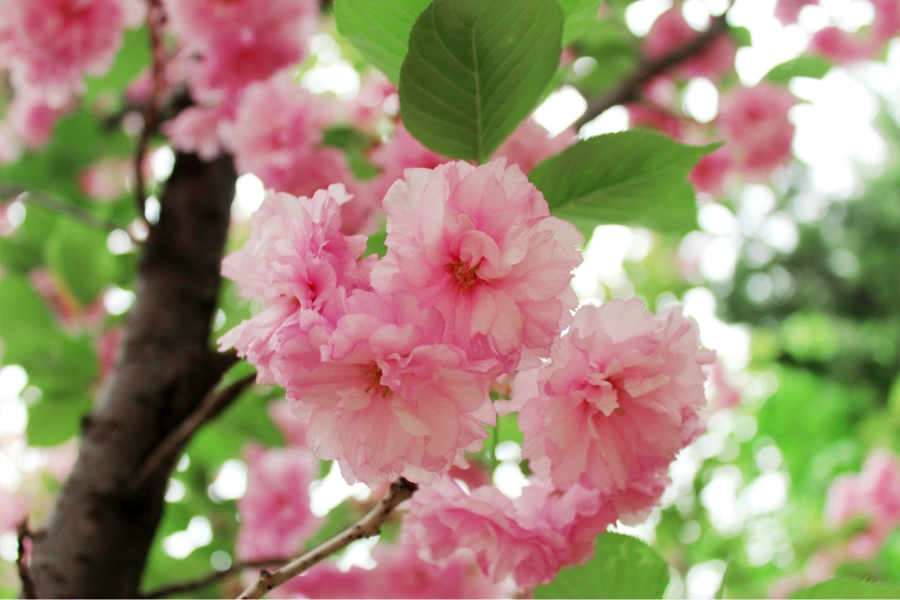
(202, 582)
(156, 18)
(366, 527)
(24, 572)
(629, 89)
(171, 445)
(26, 194)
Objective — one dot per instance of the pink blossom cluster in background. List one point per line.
(671, 31)
(388, 364)
(842, 46)
(873, 496)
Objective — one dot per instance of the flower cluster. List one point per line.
(389, 361)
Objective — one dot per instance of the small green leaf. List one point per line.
(844, 587)
(802, 66)
(629, 178)
(379, 29)
(624, 567)
(375, 244)
(580, 15)
(476, 69)
(52, 422)
(130, 61)
(741, 36)
(78, 256)
(346, 138)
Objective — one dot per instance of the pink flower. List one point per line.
(788, 11)
(385, 397)
(49, 45)
(200, 129)
(670, 31)
(106, 180)
(275, 515)
(478, 244)
(399, 574)
(530, 143)
(641, 115)
(295, 258)
(530, 538)
(755, 123)
(709, 174)
(276, 136)
(617, 403)
(240, 41)
(10, 146)
(842, 46)
(32, 119)
(292, 427)
(873, 494)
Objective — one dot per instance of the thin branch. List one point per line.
(24, 572)
(202, 582)
(166, 452)
(629, 89)
(366, 527)
(156, 19)
(26, 194)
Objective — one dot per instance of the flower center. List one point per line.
(374, 374)
(464, 276)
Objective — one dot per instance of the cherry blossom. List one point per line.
(478, 244)
(240, 41)
(32, 119)
(873, 495)
(50, 45)
(755, 123)
(530, 143)
(201, 129)
(385, 397)
(294, 258)
(617, 403)
(530, 538)
(275, 515)
(400, 573)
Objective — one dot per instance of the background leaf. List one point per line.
(476, 69)
(624, 567)
(379, 29)
(628, 178)
(580, 15)
(802, 66)
(844, 587)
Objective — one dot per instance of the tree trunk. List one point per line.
(98, 537)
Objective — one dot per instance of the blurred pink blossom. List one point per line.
(873, 494)
(275, 515)
(49, 45)
(788, 11)
(616, 404)
(32, 119)
(530, 143)
(201, 129)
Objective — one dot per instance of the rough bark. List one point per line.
(98, 537)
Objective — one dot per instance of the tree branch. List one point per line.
(629, 89)
(24, 193)
(170, 447)
(24, 572)
(156, 19)
(366, 527)
(202, 582)
(100, 532)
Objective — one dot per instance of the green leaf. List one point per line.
(624, 567)
(741, 36)
(130, 61)
(476, 69)
(844, 587)
(78, 256)
(629, 178)
(802, 66)
(53, 421)
(346, 138)
(375, 244)
(580, 15)
(379, 29)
